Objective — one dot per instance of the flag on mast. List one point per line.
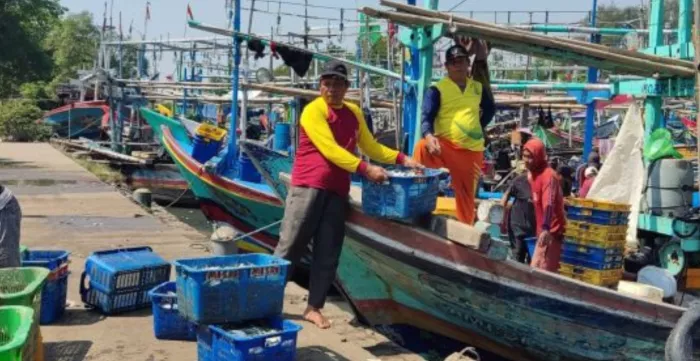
(148, 10)
(189, 12)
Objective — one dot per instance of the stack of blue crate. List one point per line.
(55, 290)
(118, 280)
(236, 302)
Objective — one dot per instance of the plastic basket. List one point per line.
(16, 324)
(605, 221)
(598, 204)
(531, 244)
(230, 288)
(125, 269)
(273, 339)
(210, 132)
(168, 324)
(22, 287)
(401, 197)
(595, 277)
(597, 216)
(595, 254)
(50, 259)
(113, 303)
(598, 232)
(53, 299)
(610, 262)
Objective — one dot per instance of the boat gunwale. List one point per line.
(517, 274)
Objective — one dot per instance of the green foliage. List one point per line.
(72, 43)
(18, 121)
(23, 25)
(35, 90)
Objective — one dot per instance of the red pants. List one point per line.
(465, 168)
(547, 257)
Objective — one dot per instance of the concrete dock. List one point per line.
(66, 207)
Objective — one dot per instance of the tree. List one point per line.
(23, 25)
(18, 121)
(72, 43)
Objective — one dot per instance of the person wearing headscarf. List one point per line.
(548, 202)
(590, 174)
(10, 220)
(593, 161)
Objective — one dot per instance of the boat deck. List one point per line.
(66, 207)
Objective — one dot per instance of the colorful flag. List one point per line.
(189, 12)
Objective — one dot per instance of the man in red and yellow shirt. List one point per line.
(316, 206)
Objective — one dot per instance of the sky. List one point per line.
(168, 17)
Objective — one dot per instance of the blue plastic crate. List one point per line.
(204, 149)
(401, 198)
(53, 299)
(605, 221)
(593, 254)
(168, 324)
(113, 303)
(50, 259)
(125, 269)
(610, 262)
(244, 342)
(231, 288)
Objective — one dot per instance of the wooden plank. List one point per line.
(460, 233)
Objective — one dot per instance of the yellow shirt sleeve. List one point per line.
(368, 145)
(313, 121)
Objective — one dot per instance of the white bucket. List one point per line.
(222, 240)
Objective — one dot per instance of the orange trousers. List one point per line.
(465, 169)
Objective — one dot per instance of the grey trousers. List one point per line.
(319, 215)
(10, 219)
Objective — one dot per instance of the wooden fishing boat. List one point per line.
(82, 119)
(247, 206)
(165, 182)
(422, 289)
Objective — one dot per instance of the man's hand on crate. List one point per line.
(411, 163)
(376, 174)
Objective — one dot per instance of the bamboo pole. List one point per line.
(510, 40)
(316, 55)
(463, 20)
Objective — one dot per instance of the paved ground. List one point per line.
(66, 207)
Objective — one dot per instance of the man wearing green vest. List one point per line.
(454, 114)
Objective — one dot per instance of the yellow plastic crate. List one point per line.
(610, 206)
(595, 277)
(579, 202)
(211, 132)
(597, 231)
(594, 243)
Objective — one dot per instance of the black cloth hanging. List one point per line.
(258, 47)
(300, 61)
(550, 118)
(541, 121)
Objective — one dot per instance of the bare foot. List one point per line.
(314, 316)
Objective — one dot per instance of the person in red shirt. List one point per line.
(316, 205)
(549, 206)
(590, 174)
